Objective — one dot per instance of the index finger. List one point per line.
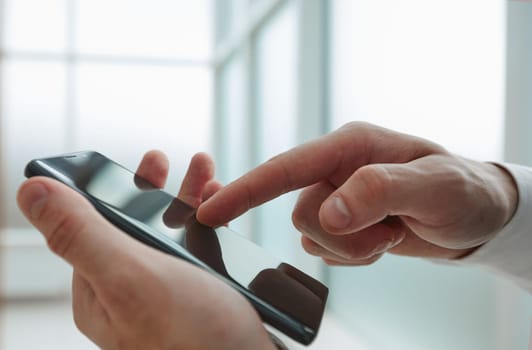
(332, 157)
(296, 168)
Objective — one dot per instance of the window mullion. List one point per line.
(312, 87)
(2, 143)
(257, 16)
(70, 73)
(312, 74)
(518, 83)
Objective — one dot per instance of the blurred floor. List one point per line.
(43, 325)
(48, 325)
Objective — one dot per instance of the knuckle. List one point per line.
(367, 261)
(304, 222)
(376, 180)
(357, 250)
(298, 220)
(355, 125)
(349, 125)
(301, 211)
(311, 247)
(63, 233)
(372, 259)
(307, 247)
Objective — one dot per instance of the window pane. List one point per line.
(155, 28)
(277, 120)
(234, 124)
(233, 131)
(127, 110)
(276, 84)
(33, 122)
(401, 65)
(35, 25)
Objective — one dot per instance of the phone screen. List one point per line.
(164, 219)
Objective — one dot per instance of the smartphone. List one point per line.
(284, 297)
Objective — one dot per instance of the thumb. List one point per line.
(371, 194)
(73, 229)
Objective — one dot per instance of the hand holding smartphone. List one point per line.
(283, 296)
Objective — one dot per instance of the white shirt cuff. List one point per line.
(510, 252)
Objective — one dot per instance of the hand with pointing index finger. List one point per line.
(368, 190)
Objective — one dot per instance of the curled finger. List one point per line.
(154, 168)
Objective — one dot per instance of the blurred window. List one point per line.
(117, 76)
(123, 76)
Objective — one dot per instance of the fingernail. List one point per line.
(382, 247)
(35, 197)
(336, 213)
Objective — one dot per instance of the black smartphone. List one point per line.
(284, 297)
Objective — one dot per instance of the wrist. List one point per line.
(502, 190)
(508, 192)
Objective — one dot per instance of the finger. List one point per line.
(362, 244)
(210, 189)
(376, 191)
(73, 228)
(271, 179)
(356, 245)
(313, 248)
(177, 214)
(200, 172)
(340, 152)
(413, 245)
(154, 168)
(369, 261)
(306, 209)
(331, 259)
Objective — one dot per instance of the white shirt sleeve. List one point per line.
(509, 253)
